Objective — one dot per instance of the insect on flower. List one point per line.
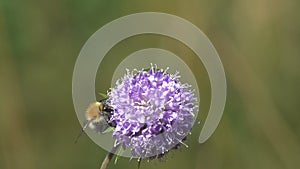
(98, 117)
(154, 112)
(150, 111)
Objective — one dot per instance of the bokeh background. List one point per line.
(258, 42)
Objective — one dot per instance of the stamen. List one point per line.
(182, 143)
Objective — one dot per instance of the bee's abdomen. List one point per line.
(99, 126)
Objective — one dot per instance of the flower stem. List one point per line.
(108, 157)
(106, 161)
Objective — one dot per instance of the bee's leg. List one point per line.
(81, 132)
(106, 118)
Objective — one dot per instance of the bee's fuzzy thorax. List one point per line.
(92, 111)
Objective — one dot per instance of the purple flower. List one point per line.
(153, 112)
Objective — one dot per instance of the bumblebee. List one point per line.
(98, 117)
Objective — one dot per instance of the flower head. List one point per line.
(153, 112)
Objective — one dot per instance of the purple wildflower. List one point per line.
(153, 112)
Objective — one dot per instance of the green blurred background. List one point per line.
(259, 45)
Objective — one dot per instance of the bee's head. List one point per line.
(93, 111)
